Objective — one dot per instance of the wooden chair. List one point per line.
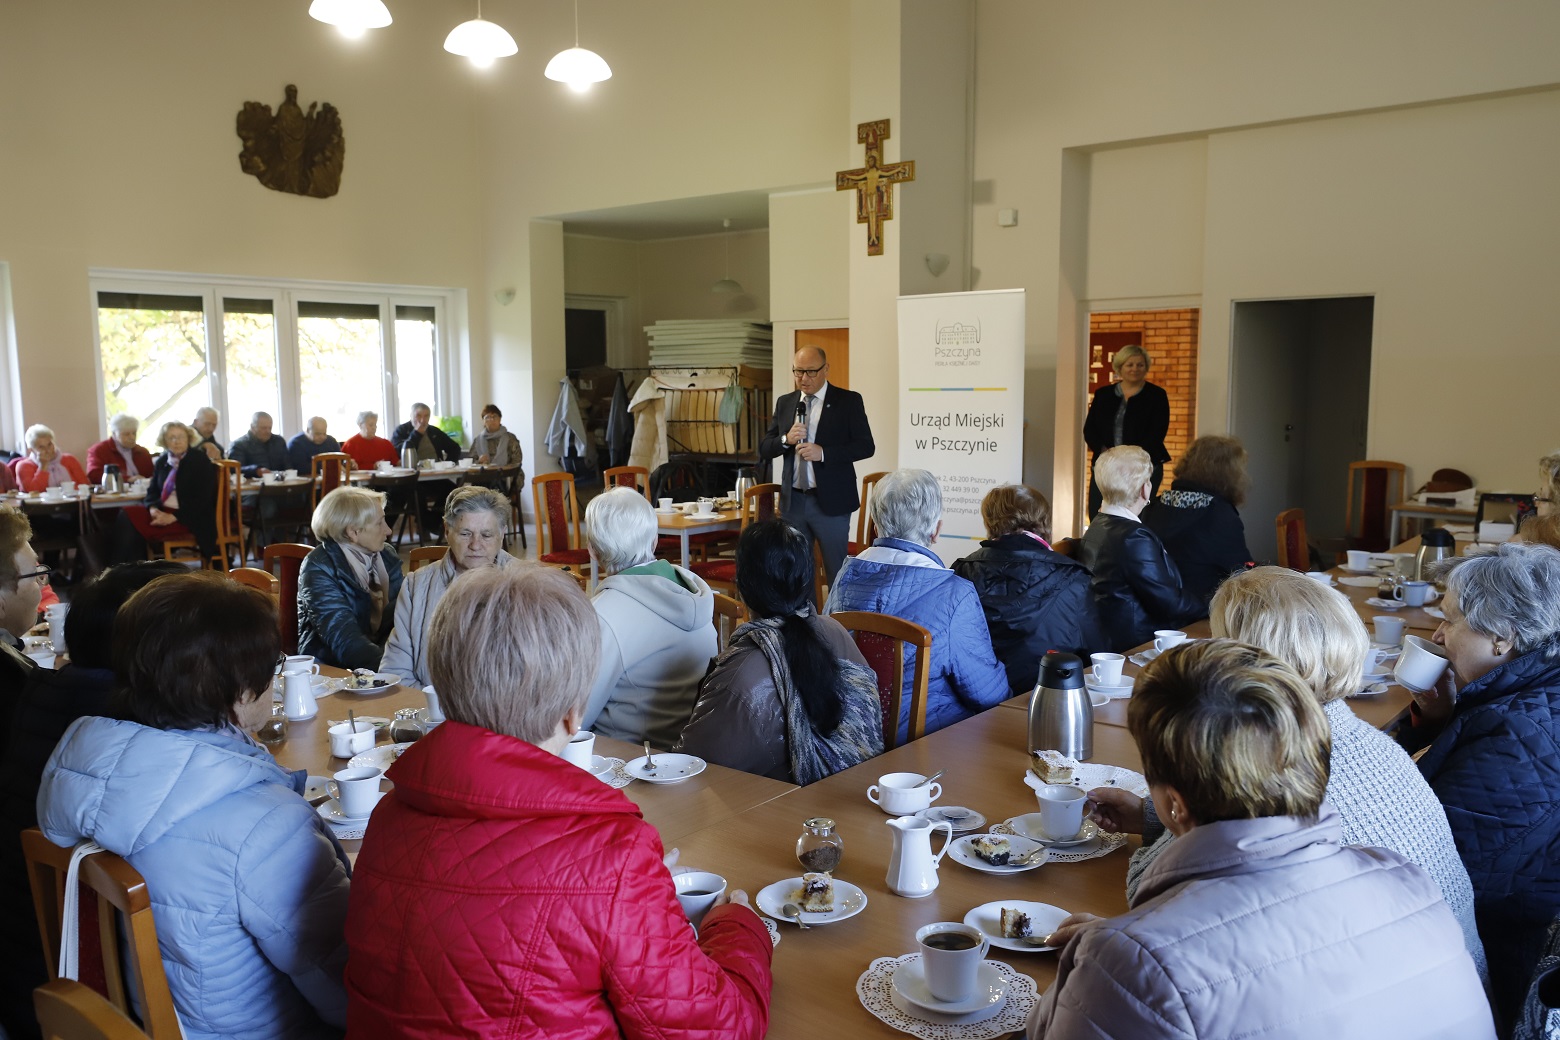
(1066, 546)
(1294, 551)
(256, 578)
(882, 641)
(400, 491)
(118, 888)
(729, 614)
(284, 560)
(514, 484)
(425, 554)
(1374, 487)
(327, 471)
(70, 1011)
(558, 521)
(759, 502)
(866, 527)
(230, 537)
(278, 509)
(637, 477)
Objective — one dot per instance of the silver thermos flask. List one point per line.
(112, 482)
(1060, 715)
(1435, 545)
(408, 457)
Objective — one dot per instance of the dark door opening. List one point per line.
(584, 338)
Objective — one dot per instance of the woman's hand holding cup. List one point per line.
(1117, 811)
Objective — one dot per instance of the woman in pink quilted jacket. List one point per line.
(1256, 920)
(503, 892)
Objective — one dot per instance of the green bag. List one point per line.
(731, 404)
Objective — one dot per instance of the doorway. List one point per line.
(835, 344)
(1300, 403)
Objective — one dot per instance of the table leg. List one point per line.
(684, 535)
(1397, 538)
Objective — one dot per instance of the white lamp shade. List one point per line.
(726, 285)
(480, 40)
(352, 16)
(577, 67)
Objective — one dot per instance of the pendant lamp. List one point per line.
(727, 284)
(577, 67)
(482, 41)
(351, 17)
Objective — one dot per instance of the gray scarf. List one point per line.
(369, 569)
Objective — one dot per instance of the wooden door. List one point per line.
(835, 343)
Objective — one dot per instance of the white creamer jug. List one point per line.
(912, 867)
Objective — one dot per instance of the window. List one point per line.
(292, 349)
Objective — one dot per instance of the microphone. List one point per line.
(801, 409)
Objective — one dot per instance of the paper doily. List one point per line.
(875, 989)
(773, 930)
(347, 831)
(617, 778)
(1102, 846)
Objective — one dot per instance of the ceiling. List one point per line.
(674, 218)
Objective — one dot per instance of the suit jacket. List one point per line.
(845, 438)
(1148, 420)
(106, 453)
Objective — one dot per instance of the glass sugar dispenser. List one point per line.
(820, 848)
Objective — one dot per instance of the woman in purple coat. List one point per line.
(1257, 921)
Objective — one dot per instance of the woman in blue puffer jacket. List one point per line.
(348, 586)
(248, 890)
(901, 576)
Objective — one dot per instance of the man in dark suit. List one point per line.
(821, 442)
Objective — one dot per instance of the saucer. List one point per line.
(1435, 612)
(848, 901)
(1028, 826)
(669, 768)
(703, 516)
(314, 787)
(599, 765)
(962, 820)
(910, 983)
(330, 811)
(1375, 689)
(382, 681)
(1362, 582)
(1043, 918)
(1123, 688)
(380, 758)
(961, 851)
(1384, 604)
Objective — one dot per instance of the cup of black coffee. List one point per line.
(951, 954)
(697, 891)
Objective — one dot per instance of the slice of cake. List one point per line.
(1016, 924)
(993, 848)
(1052, 766)
(817, 893)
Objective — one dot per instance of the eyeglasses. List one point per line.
(808, 371)
(42, 574)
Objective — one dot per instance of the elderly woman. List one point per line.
(899, 574)
(1493, 726)
(537, 903)
(1258, 920)
(790, 698)
(1198, 519)
(1381, 798)
(366, 447)
(1137, 586)
(657, 635)
(1129, 411)
(1035, 598)
(1548, 484)
(120, 449)
(474, 519)
(249, 891)
(45, 466)
(348, 585)
(493, 445)
(181, 500)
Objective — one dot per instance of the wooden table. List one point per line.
(362, 476)
(682, 526)
(1419, 511)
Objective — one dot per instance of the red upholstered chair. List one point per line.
(636, 477)
(1294, 551)
(283, 559)
(866, 527)
(558, 522)
(882, 641)
(327, 471)
(759, 502)
(1374, 488)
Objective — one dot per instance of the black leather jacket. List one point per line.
(1137, 587)
(333, 609)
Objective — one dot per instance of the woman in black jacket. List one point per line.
(1035, 599)
(1198, 518)
(1137, 587)
(1129, 411)
(181, 500)
(348, 585)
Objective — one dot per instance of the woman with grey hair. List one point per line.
(1493, 726)
(474, 520)
(1129, 411)
(119, 449)
(348, 586)
(366, 447)
(45, 466)
(900, 575)
(656, 622)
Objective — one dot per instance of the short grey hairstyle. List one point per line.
(123, 421)
(363, 417)
(345, 507)
(513, 650)
(253, 419)
(1509, 592)
(1127, 353)
(309, 425)
(620, 530)
(1310, 627)
(907, 504)
(206, 409)
(36, 430)
(473, 499)
(418, 406)
(1120, 474)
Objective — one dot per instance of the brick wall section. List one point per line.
(1170, 338)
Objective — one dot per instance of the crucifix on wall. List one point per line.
(874, 183)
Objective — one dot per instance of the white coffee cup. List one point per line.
(435, 713)
(1061, 809)
(290, 474)
(697, 892)
(1373, 660)
(688, 508)
(346, 741)
(580, 749)
(1107, 668)
(303, 661)
(57, 631)
(1321, 577)
(1359, 559)
(356, 790)
(382, 465)
(67, 487)
(706, 505)
(1389, 629)
(1165, 638)
(1413, 593)
(666, 505)
(898, 795)
(950, 972)
(1420, 665)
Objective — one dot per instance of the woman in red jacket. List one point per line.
(502, 891)
(45, 466)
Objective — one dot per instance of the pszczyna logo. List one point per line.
(956, 340)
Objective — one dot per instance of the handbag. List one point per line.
(731, 403)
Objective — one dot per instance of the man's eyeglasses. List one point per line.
(42, 574)
(808, 371)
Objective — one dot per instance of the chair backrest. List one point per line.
(1294, 551)
(636, 477)
(556, 510)
(1504, 507)
(1368, 510)
(327, 471)
(425, 554)
(760, 502)
(283, 559)
(70, 1011)
(866, 527)
(883, 641)
(256, 578)
(118, 887)
(1066, 546)
(229, 497)
(729, 613)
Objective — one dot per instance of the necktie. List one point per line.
(804, 473)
